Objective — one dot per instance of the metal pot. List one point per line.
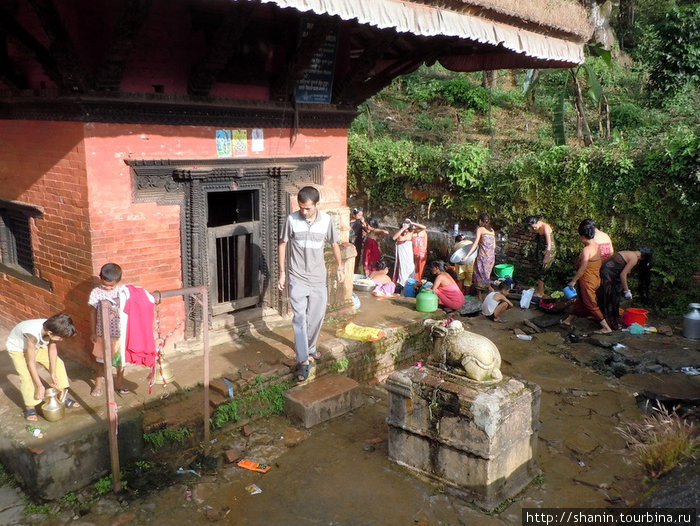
(53, 407)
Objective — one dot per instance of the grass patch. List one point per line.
(159, 438)
(661, 440)
(263, 401)
(6, 478)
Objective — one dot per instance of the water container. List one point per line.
(426, 301)
(569, 293)
(631, 316)
(409, 289)
(691, 322)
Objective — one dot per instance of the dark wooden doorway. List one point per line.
(234, 249)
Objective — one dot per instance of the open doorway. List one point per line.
(234, 249)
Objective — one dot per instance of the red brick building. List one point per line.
(171, 137)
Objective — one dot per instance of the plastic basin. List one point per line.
(633, 315)
(504, 269)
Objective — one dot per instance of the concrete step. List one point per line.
(324, 398)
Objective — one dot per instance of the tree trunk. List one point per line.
(582, 126)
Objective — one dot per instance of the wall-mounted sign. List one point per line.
(257, 140)
(240, 142)
(223, 143)
(316, 86)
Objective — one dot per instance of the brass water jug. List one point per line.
(167, 374)
(53, 407)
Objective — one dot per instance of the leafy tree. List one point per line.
(669, 44)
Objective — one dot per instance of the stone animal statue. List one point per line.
(470, 354)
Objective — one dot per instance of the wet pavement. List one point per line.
(337, 473)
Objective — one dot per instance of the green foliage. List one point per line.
(165, 436)
(104, 485)
(6, 478)
(464, 163)
(340, 366)
(263, 401)
(32, 508)
(669, 43)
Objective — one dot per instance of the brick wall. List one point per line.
(520, 252)
(76, 174)
(43, 164)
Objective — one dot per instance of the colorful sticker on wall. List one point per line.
(240, 142)
(223, 143)
(257, 140)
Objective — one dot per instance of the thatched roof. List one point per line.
(549, 30)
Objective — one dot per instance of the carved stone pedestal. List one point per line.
(478, 440)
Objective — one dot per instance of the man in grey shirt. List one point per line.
(305, 233)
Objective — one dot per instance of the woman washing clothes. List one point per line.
(445, 286)
(588, 279)
(614, 285)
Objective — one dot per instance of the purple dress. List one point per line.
(485, 260)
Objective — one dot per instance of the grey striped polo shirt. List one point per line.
(305, 247)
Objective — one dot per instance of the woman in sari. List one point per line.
(613, 278)
(485, 242)
(588, 279)
(448, 292)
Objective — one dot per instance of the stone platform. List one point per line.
(478, 440)
(321, 400)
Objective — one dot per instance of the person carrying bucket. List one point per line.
(588, 279)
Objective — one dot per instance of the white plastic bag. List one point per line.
(526, 298)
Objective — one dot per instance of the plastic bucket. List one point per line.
(503, 270)
(569, 293)
(635, 316)
(409, 289)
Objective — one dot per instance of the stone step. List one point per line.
(324, 398)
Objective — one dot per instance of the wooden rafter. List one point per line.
(7, 72)
(111, 71)
(205, 74)
(24, 40)
(72, 76)
(361, 68)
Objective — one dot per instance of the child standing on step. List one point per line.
(33, 342)
(108, 289)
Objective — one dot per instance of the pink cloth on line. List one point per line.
(140, 345)
(450, 296)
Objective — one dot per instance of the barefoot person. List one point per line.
(305, 233)
(544, 250)
(496, 303)
(614, 285)
(588, 279)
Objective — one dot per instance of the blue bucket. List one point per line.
(409, 289)
(569, 293)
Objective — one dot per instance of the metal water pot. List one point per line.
(691, 322)
(53, 407)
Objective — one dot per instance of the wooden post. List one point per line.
(205, 344)
(112, 413)
(204, 301)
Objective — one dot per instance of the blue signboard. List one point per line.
(316, 86)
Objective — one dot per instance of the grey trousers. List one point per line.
(309, 307)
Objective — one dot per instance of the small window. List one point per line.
(16, 254)
(16, 240)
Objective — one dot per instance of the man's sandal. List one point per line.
(30, 415)
(316, 355)
(303, 372)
